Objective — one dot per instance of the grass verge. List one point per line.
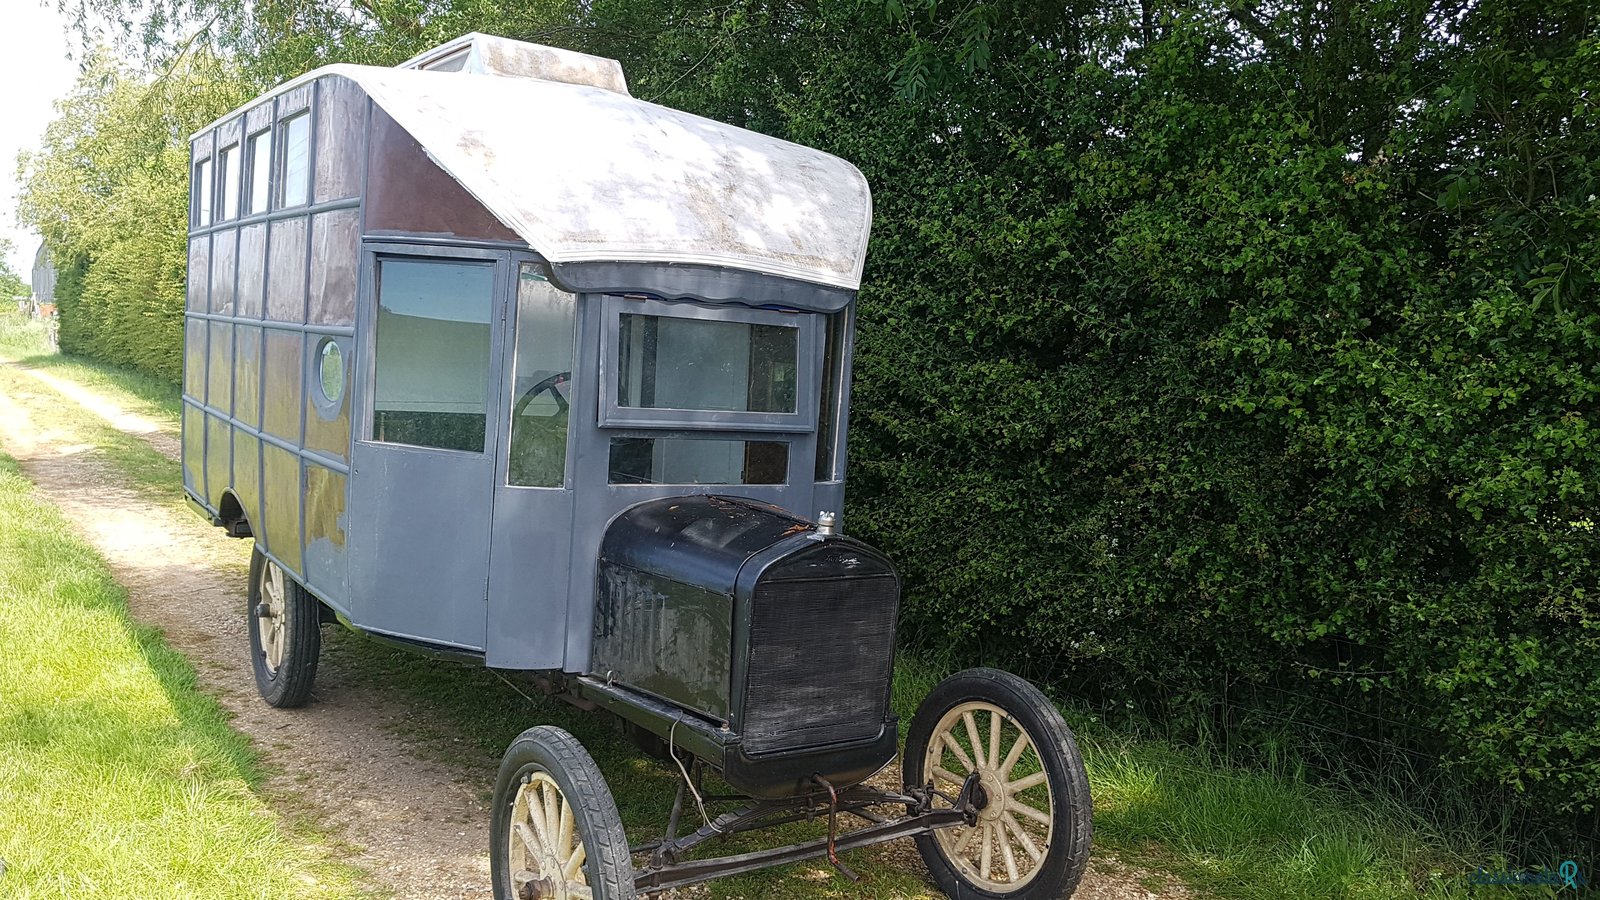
(23, 340)
(118, 778)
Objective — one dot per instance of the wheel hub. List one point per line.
(992, 793)
(269, 615)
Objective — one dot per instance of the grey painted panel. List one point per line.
(713, 284)
(420, 545)
(529, 576)
(219, 380)
(252, 270)
(327, 421)
(259, 117)
(247, 374)
(341, 124)
(280, 415)
(335, 257)
(292, 101)
(286, 276)
(194, 450)
(199, 272)
(219, 459)
(280, 492)
(229, 132)
(247, 474)
(224, 259)
(326, 570)
(194, 358)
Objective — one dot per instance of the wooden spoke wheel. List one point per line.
(284, 622)
(1031, 837)
(556, 834)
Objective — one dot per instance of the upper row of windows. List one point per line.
(233, 196)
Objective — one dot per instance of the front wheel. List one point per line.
(1031, 838)
(285, 635)
(555, 833)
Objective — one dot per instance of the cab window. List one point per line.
(541, 382)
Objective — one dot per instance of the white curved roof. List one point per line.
(585, 174)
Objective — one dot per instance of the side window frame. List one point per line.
(233, 155)
(253, 164)
(280, 153)
(361, 375)
(807, 375)
(202, 191)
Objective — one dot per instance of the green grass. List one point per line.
(118, 778)
(23, 340)
(1229, 831)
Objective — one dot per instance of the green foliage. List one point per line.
(12, 285)
(109, 191)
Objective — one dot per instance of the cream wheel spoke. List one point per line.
(1021, 784)
(995, 718)
(949, 739)
(540, 818)
(972, 735)
(1007, 855)
(564, 835)
(579, 892)
(573, 869)
(1038, 815)
(1017, 749)
(552, 818)
(529, 839)
(988, 852)
(1011, 824)
(947, 775)
(964, 840)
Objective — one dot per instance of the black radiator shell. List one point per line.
(808, 623)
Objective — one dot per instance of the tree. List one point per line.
(12, 285)
(108, 190)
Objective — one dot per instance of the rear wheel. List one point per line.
(555, 833)
(1031, 838)
(285, 638)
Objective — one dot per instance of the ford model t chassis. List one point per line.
(494, 361)
(777, 680)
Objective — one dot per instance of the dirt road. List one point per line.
(414, 823)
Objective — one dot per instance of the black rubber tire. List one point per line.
(1068, 853)
(545, 748)
(290, 686)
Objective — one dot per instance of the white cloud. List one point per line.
(35, 71)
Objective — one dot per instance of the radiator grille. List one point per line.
(820, 660)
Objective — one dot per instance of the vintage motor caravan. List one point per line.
(493, 360)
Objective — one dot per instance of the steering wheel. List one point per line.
(549, 384)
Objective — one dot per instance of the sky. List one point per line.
(35, 70)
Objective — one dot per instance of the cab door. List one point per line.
(530, 572)
(424, 459)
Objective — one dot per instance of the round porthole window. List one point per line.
(330, 370)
